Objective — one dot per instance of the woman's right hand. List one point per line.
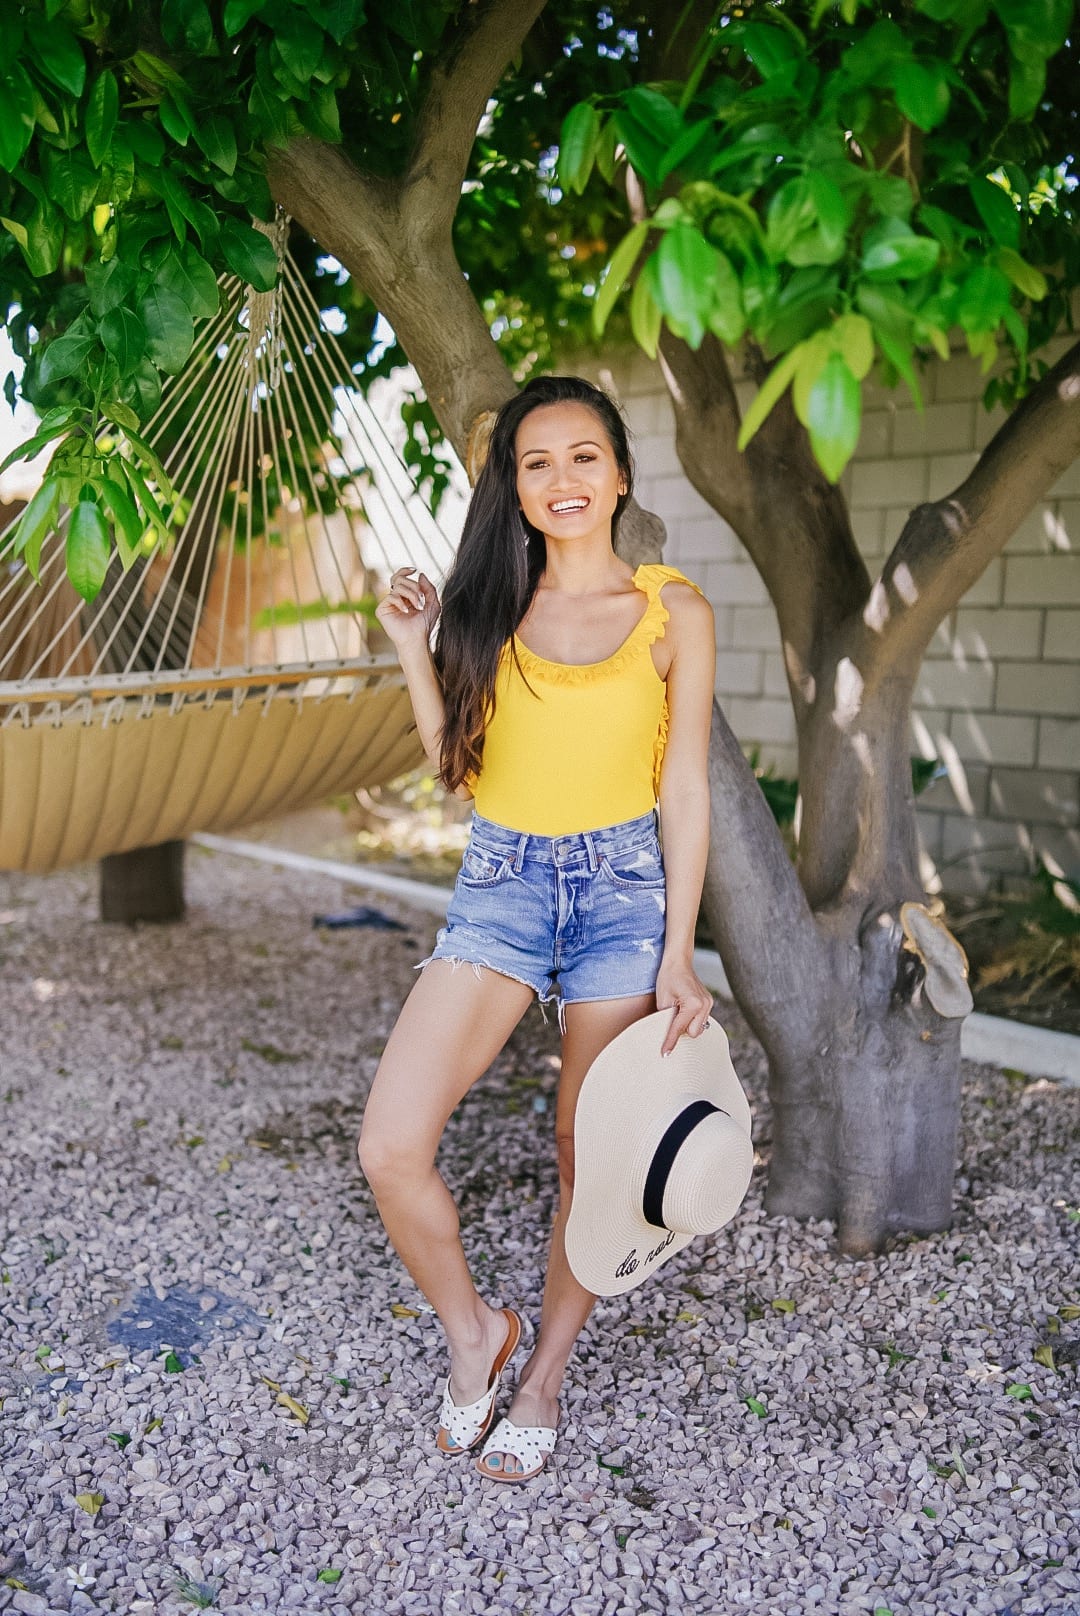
(408, 614)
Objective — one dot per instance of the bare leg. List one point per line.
(451, 1027)
(590, 1027)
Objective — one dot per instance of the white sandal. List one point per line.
(462, 1426)
(531, 1445)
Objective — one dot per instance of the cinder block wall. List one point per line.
(998, 698)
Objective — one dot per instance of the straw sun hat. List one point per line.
(662, 1153)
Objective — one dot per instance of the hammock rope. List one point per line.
(227, 674)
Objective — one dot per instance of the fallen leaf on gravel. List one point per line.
(296, 1409)
(13, 1582)
(329, 1574)
(152, 1425)
(756, 1406)
(121, 1439)
(269, 1052)
(274, 1385)
(224, 1164)
(1068, 1314)
(1020, 1390)
(400, 1311)
(783, 1304)
(173, 1366)
(686, 1317)
(1044, 1354)
(90, 1502)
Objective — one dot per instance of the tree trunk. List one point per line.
(145, 884)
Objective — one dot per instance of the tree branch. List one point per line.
(946, 546)
(757, 911)
(421, 291)
(461, 86)
(794, 523)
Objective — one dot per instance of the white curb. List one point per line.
(1035, 1051)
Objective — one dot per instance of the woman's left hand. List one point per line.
(678, 988)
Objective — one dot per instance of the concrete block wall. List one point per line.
(998, 696)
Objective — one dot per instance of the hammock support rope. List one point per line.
(226, 676)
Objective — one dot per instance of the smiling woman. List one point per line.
(569, 695)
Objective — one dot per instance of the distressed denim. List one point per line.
(577, 917)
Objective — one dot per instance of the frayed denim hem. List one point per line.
(456, 961)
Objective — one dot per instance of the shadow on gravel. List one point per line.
(181, 1320)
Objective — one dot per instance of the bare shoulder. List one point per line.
(689, 612)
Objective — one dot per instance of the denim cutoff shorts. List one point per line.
(579, 916)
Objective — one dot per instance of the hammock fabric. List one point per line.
(225, 677)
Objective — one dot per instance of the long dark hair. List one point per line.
(498, 565)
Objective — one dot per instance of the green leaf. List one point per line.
(186, 25)
(816, 352)
(87, 550)
(71, 182)
(646, 316)
(893, 252)
(176, 120)
(14, 228)
(170, 330)
(769, 392)
(187, 273)
(64, 356)
(622, 262)
(833, 417)
(1020, 1390)
(33, 446)
(687, 143)
(1036, 25)
(1027, 81)
(125, 337)
(578, 142)
(1024, 276)
(854, 336)
(145, 498)
(120, 502)
(727, 317)
(328, 1574)
(685, 284)
(101, 114)
(771, 49)
(270, 113)
(320, 115)
(922, 93)
(108, 284)
(790, 212)
(142, 390)
(756, 1406)
(300, 43)
(58, 52)
(983, 299)
(16, 115)
(36, 521)
(238, 12)
(173, 1366)
(44, 240)
(997, 210)
(217, 138)
(121, 414)
(249, 255)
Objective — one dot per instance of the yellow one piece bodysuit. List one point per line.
(578, 747)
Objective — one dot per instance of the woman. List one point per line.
(561, 680)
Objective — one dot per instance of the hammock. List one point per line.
(227, 675)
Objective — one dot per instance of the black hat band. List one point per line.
(652, 1201)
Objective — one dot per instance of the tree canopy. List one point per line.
(835, 184)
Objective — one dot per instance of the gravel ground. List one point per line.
(220, 1386)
